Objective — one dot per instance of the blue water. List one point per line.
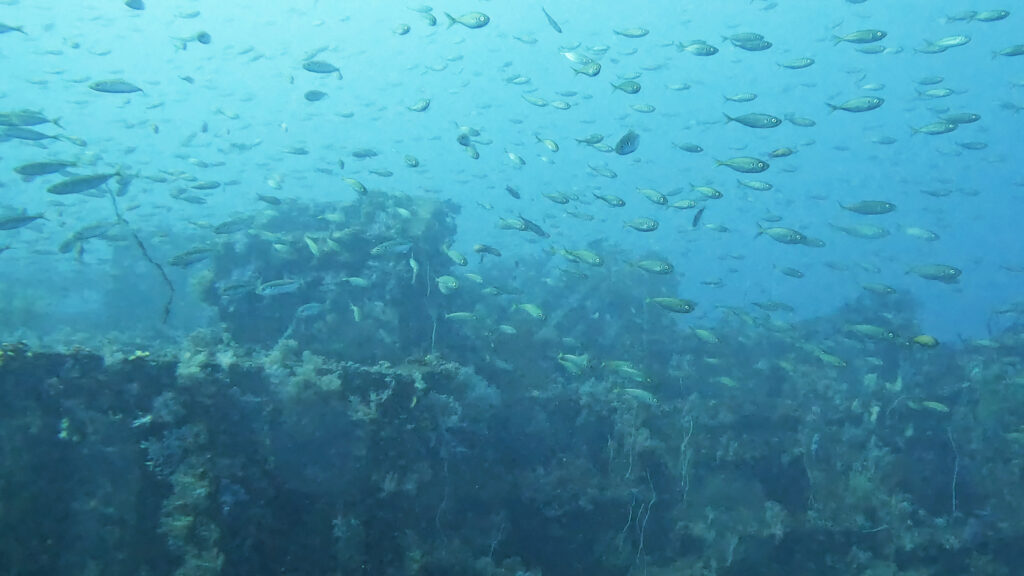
(342, 424)
(248, 86)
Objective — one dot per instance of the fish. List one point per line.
(43, 168)
(79, 184)
(677, 305)
(864, 104)
(753, 45)
(530, 226)
(654, 266)
(395, 246)
(865, 231)
(939, 272)
(18, 221)
(935, 128)
(754, 120)
(869, 207)
(191, 256)
(114, 86)
(584, 256)
(321, 67)
(420, 105)
(447, 284)
(278, 287)
(532, 310)
(575, 364)
(591, 69)
(627, 86)
(860, 37)
(697, 216)
(643, 224)
(632, 32)
(551, 21)
(628, 143)
(745, 164)
(697, 48)
(797, 63)
(26, 117)
(610, 199)
(654, 196)
(469, 20)
(782, 235)
(314, 95)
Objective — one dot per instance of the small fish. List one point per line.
(696, 217)
(797, 64)
(549, 143)
(677, 305)
(447, 284)
(697, 48)
(395, 246)
(869, 207)
(865, 231)
(935, 128)
(533, 227)
(741, 97)
(591, 69)
(744, 164)
(689, 147)
(643, 224)
(18, 221)
(610, 199)
(532, 310)
(314, 95)
(420, 105)
(190, 257)
(860, 37)
(415, 266)
(863, 104)
(925, 341)
(940, 272)
(454, 256)
(755, 120)
(628, 143)
(278, 287)
(43, 168)
(632, 32)
(321, 67)
(469, 19)
(585, 256)
(654, 266)
(114, 86)
(79, 184)
(627, 86)
(551, 21)
(782, 235)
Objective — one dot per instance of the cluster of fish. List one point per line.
(68, 177)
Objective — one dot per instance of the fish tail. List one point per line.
(451, 19)
(836, 40)
(728, 118)
(56, 122)
(832, 107)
